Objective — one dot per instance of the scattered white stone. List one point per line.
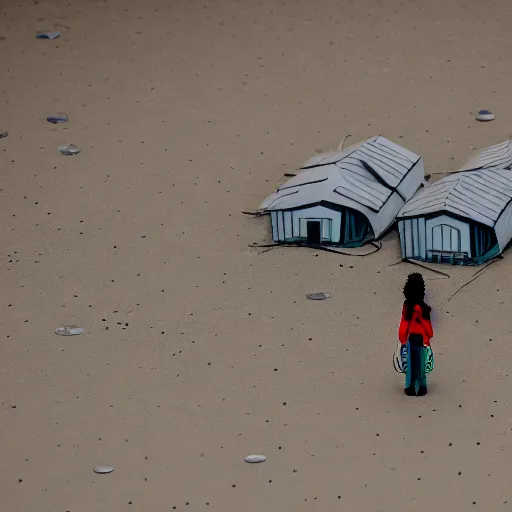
(103, 469)
(318, 296)
(69, 330)
(69, 149)
(58, 118)
(485, 115)
(254, 459)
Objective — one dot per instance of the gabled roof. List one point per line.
(477, 195)
(364, 174)
(497, 156)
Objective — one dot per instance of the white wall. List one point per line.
(448, 226)
(413, 238)
(330, 230)
(288, 225)
(441, 233)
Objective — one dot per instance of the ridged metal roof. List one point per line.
(480, 195)
(497, 156)
(366, 173)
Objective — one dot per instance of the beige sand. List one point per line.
(197, 350)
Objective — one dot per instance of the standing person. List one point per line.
(415, 332)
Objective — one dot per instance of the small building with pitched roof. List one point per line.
(464, 218)
(345, 198)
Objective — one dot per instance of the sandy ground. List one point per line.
(198, 350)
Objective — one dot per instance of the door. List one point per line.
(445, 238)
(448, 240)
(445, 243)
(314, 232)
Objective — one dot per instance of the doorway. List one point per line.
(448, 239)
(314, 232)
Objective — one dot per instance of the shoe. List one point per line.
(422, 391)
(410, 391)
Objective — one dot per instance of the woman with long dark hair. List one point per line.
(415, 332)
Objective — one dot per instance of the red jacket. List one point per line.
(417, 325)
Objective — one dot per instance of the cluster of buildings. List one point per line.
(350, 197)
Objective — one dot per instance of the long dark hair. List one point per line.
(414, 293)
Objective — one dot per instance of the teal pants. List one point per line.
(415, 374)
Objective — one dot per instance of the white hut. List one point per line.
(345, 198)
(464, 218)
